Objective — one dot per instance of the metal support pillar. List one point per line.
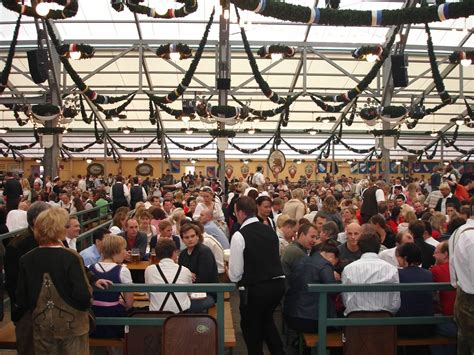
(51, 152)
(223, 73)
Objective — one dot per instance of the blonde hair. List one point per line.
(112, 245)
(410, 216)
(50, 225)
(164, 223)
(176, 217)
(298, 194)
(282, 219)
(438, 221)
(25, 184)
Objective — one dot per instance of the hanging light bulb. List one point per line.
(140, 161)
(115, 118)
(188, 131)
(372, 58)
(38, 160)
(76, 55)
(88, 160)
(298, 161)
(126, 130)
(3, 130)
(251, 131)
(398, 162)
(276, 56)
(42, 9)
(175, 56)
(193, 161)
(162, 7)
(185, 119)
(245, 161)
(312, 132)
(349, 161)
(466, 62)
(434, 133)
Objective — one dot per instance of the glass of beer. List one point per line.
(135, 253)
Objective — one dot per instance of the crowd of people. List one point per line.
(271, 238)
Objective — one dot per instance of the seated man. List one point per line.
(134, 238)
(369, 269)
(299, 248)
(349, 251)
(166, 271)
(91, 255)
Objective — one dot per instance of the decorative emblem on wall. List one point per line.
(276, 162)
(229, 170)
(244, 170)
(95, 169)
(309, 170)
(292, 170)
(144, 169)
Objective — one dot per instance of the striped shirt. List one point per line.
(369, 269)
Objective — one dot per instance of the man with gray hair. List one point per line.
(19, 246)
(210, 227)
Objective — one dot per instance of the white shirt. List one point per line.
(126, 193)
(369, 269)
(237, 246)
(389, 256)
(217, 214)
(379, 195)
(461, 261)
(216, 249)
(81, 185)
(71, 243)
(432, 241)
(16, 219)
(169, 268)
(258, 179)
(443, 202)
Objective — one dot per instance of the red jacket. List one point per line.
(446, 298)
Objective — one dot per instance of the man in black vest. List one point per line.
(137, 193)
(119, 194)
(12, 191)
(371, 197)
(255, 264)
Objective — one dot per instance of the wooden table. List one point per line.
(138, 265)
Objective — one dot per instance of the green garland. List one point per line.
(86, 51)
(164, 50)
(251, 151)
(189, 149)
(438, 80)
(220, 133)
(189, 6)
(174, 95)
(267, 51)
(269, 113)
(11, 53)
(69, 10)
(362, 52)
(264, 87)
(91, 94)
(330, 17)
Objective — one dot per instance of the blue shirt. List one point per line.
(212, 229)
(90, 255)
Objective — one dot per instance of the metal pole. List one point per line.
(223, 73)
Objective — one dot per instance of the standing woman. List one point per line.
(264, 211)
(208, 201)
(111, 304)
(199, 259)
(25, 185)
(330, 210)
(53, 287)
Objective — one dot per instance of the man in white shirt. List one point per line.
(388, 255)
(369, 269)
(66, 202)
(461, 268)
(167, 271)
(258, 179)
(16, 219)
(73, 229)
(81, 184)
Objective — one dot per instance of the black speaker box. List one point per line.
(399, 70)
(223, 84)
(38, 63)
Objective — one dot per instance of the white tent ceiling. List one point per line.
(330, 69)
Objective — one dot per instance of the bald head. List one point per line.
(353, 231)
(205, 216)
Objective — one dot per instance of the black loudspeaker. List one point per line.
(38, 63)
(223, 84)
(399, 70)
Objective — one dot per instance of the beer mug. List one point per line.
(135, 254)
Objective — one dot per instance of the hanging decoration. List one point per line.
(253, 150)
(275, 51)
(369, 115)
(166, 51)
(338, 140)
(356, 18)
(82, 149)
(45, 112)
(21, 147)
(220, 133)
(324, 106)
(269, 113)
(69, 10)
(95, 98)
(309, 151)
(368, 53)
(348, 121)
(438, 80)
(76, 51)
(190, 149)
(115, 112)
(9, 61)
(189, 6)
(174, 95)
(393, 114)
(463, 58)
(264, 87)
(132, 150)
(229, 115)
(276, 161)
(16, 114)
